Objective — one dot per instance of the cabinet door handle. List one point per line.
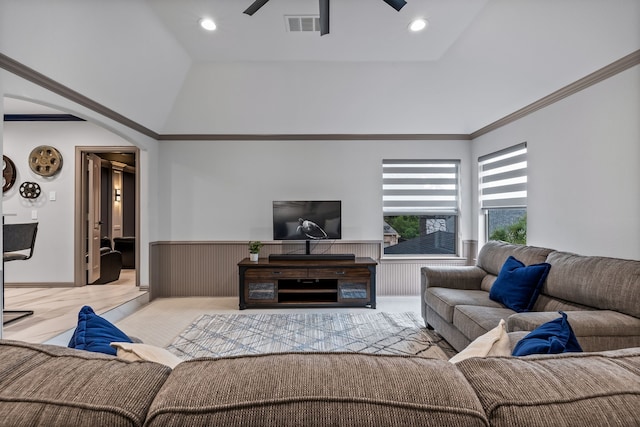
(340, 273)
(277, 272)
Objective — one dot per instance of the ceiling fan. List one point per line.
(324, 11)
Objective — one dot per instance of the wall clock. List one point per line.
(45, 160)
(9, 173)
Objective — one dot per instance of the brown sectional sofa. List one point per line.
(43, 385)
(600, 295)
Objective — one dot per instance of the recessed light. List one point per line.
(418, 25)
(208, 24)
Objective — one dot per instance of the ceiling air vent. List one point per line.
(302, 24)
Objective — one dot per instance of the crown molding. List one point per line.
(314, 137)
(41, 80)
(603, 73)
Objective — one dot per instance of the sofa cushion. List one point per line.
(572, 389)
(494, 253)
(517, 285)
(447, 331)
(552, 337)
(496, 342)
(57, 386)
(597, 330)
(95, 333)
(487, 282)
(311, 389)
(547, 303)
(444, 300)
(583, 323)
(599, 282)
(474, 321)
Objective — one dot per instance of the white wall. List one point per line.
(115, 52)
(53, 258)
(583, 169)
(315, 97)
(223, 190)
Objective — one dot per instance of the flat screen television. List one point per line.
(307, 220)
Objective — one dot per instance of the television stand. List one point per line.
(270, 283)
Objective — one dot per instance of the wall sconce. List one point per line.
(117, 194)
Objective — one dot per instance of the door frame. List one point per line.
(80, 217)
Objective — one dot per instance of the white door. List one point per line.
(93, 218)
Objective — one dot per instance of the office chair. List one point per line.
(17, 240)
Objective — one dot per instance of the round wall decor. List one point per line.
(30, 190)
(45, 160)
(9, 173)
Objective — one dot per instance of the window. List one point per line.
(503, 193)
(420, 201)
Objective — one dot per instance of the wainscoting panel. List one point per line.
(181, 269)
(397, 277)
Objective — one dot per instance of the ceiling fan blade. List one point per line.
(255, 6)
(396, 4)
(324, 17)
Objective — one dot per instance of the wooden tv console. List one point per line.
(307, 283)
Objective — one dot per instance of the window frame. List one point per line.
(514, 155)
(438, 209)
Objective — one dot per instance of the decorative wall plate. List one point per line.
(30, 190)
(45, 160)
(9, 173)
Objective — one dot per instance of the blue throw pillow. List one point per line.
(552, 337)
(95, 333)
(517, 285)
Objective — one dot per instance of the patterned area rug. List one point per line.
(237, 334)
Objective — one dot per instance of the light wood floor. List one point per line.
(56, 309)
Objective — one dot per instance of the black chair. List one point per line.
(18, 242)
(105, 242)
(110, 266)
(127, 247)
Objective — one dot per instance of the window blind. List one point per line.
(503, 178)
(420, 187)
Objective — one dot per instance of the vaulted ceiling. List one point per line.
(361, 30)
(477, 61)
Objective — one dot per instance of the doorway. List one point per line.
(106, 207)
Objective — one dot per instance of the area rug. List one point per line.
(221, 335)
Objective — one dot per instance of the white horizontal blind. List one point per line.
(420, 187)
(503, 178)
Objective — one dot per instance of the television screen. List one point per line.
(307, 220)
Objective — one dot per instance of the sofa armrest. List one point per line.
(461, 277)
(585, 323)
